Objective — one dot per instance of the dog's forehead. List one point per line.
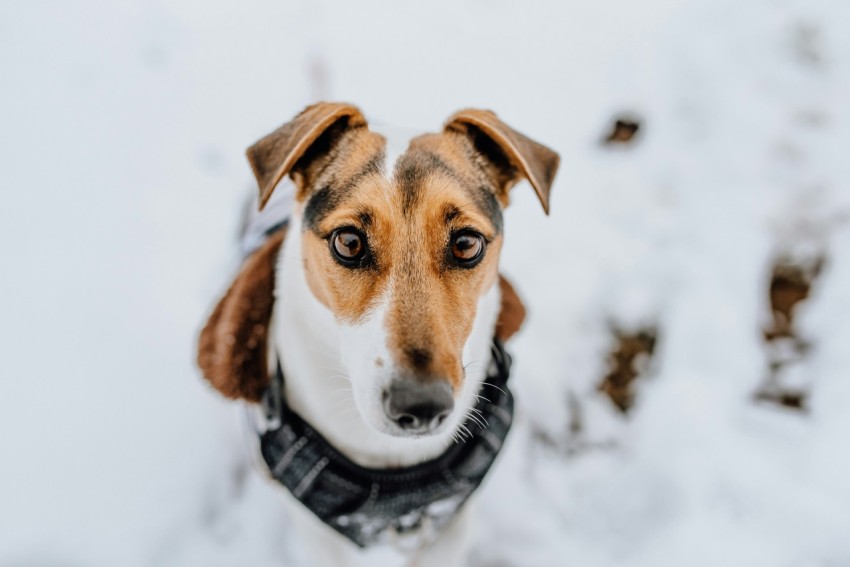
(397, 143)
(411, 168)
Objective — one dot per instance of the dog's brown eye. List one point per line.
(348, 245)
(467, 248)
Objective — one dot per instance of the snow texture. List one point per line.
(123, 177)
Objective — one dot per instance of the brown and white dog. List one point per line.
(385, 298)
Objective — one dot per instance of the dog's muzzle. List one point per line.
(370, 506)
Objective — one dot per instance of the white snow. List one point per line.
(122, 132)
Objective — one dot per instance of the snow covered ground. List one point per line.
(122, 130)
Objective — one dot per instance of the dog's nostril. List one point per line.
(407, 421)
(417, 406)
(438, 421)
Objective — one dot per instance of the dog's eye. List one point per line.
(348, 245)
(467, 248)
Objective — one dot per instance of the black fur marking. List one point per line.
(371, 167)
(451, 214)
(412, 171)
(365, 218)
(486, 201)
(321, 203)
(328, 198)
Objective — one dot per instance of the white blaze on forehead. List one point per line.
(398, 140)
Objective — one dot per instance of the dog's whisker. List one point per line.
(341, 404)
(474, 362)
(494, 386)
(466, 431)
(457, 436)
(346, 413)
(338, 377)
(479, 397)
(479, 413)
(481, 423)
(342, 395)
(481, 420)
(343, 401)
(341, 391)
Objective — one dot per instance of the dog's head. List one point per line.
(401, 248)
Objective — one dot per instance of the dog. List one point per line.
(374, 310)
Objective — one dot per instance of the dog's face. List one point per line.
(402, 250)
(401, 254)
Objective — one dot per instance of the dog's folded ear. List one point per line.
(233, 346)
(512, 155)
(291, 146)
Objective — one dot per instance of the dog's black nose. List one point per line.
(417, 406)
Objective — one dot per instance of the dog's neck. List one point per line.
(306, 336)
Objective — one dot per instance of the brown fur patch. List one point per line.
(232, 350)
(511, 313)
